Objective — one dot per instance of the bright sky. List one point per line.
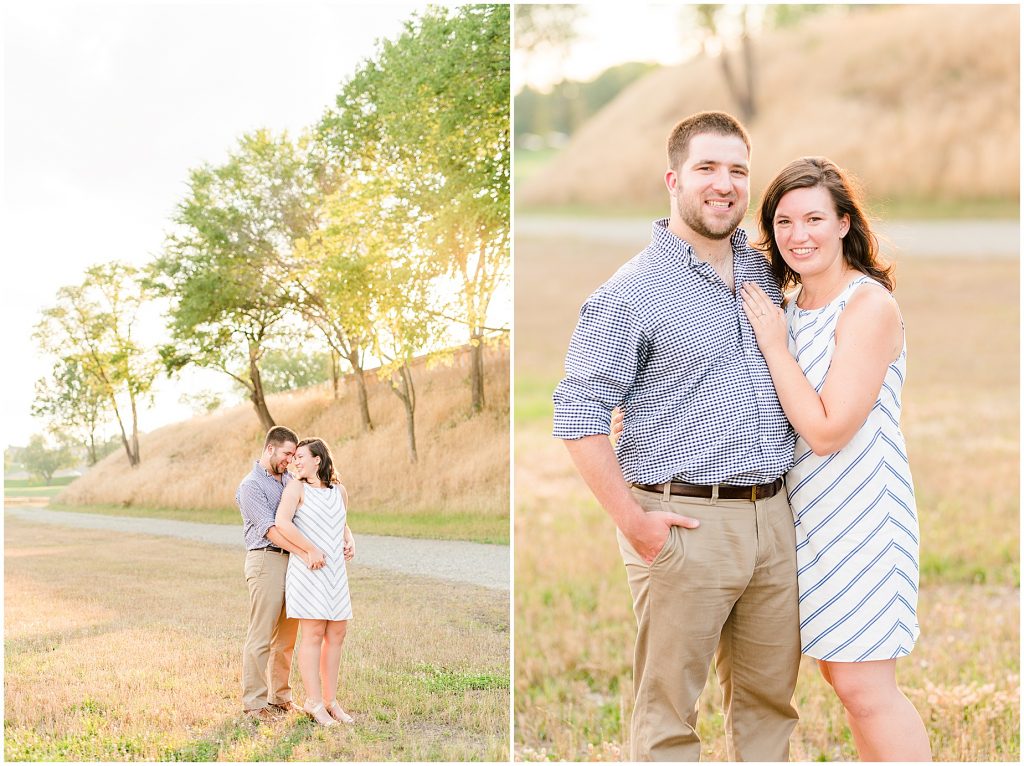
(608, 35)
(106, 108)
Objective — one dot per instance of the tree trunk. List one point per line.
(364, 401)
(92, 448)
(749, 66)
(256, 395)
(120, 426)
(334, 373)
(134, 457)
(742, 93)
(407, 393)
(476, 369)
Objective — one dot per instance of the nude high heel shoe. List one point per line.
(319, 713)
(335, 711)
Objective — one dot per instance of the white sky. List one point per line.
(609, 34)
(105, 109)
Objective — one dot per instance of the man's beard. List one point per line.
(693, 216)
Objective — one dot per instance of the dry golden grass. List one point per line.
(129, 649)
(922, 102)
(462, 471)
(573, 617)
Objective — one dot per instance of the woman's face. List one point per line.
(304, 463)
(808, 231)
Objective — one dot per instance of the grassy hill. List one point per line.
(920, 102)
(458, 489)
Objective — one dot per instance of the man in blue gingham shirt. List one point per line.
(694, 485)
(668, 341)
(270, 637)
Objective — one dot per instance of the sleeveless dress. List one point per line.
(855, 515)
(320, 594)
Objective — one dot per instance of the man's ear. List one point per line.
(671, 180)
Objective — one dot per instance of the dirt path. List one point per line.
(455, 560)
(942, 239)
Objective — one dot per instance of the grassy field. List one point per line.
(896, 209)
(574, 624)
(34, 488)
(129, 650)
(530, 163)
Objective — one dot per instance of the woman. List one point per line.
(312, 516)
(837, 356)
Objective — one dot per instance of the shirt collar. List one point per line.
(664, 242)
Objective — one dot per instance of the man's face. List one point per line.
(279, 456)
(711, 190)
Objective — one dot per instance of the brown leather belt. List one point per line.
(274, 548)
(725, 491)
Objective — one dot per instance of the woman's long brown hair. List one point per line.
(860, 245)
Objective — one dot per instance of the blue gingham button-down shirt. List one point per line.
(667, 340)
(258, 496)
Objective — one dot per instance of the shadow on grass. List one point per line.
(274, 741)
(48, 642)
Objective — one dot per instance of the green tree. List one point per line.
(334, 269)
(91, 328)
(72, 405)
(43, 461)
(402, 328)
(297, 367)
(223, 268)
(431, 113)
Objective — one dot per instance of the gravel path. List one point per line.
(941, 239)
(455, 560)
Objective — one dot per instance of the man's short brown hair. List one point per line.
(278, 435)
(718, 123)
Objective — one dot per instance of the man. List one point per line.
(694, 484)
(270, 640)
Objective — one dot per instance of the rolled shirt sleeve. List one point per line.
(256, 508)
(605, 355)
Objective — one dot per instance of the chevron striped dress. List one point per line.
(320, 594)
(855, 515)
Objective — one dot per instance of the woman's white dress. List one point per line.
(320, 594)
(855, 515)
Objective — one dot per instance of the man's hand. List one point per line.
(618, 418)
(650, 533)
(314, 558)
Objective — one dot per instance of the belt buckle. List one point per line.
(753, 493)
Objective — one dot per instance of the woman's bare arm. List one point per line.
(290, 501)
(869, 337)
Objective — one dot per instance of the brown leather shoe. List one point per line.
(285, 707)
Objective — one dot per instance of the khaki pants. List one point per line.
(267, 657)
(728, 590)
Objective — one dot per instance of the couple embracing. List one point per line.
(760, 483)
(297, 542)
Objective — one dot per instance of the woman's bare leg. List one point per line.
(310, 641)
(886, 726)
(330, 658)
